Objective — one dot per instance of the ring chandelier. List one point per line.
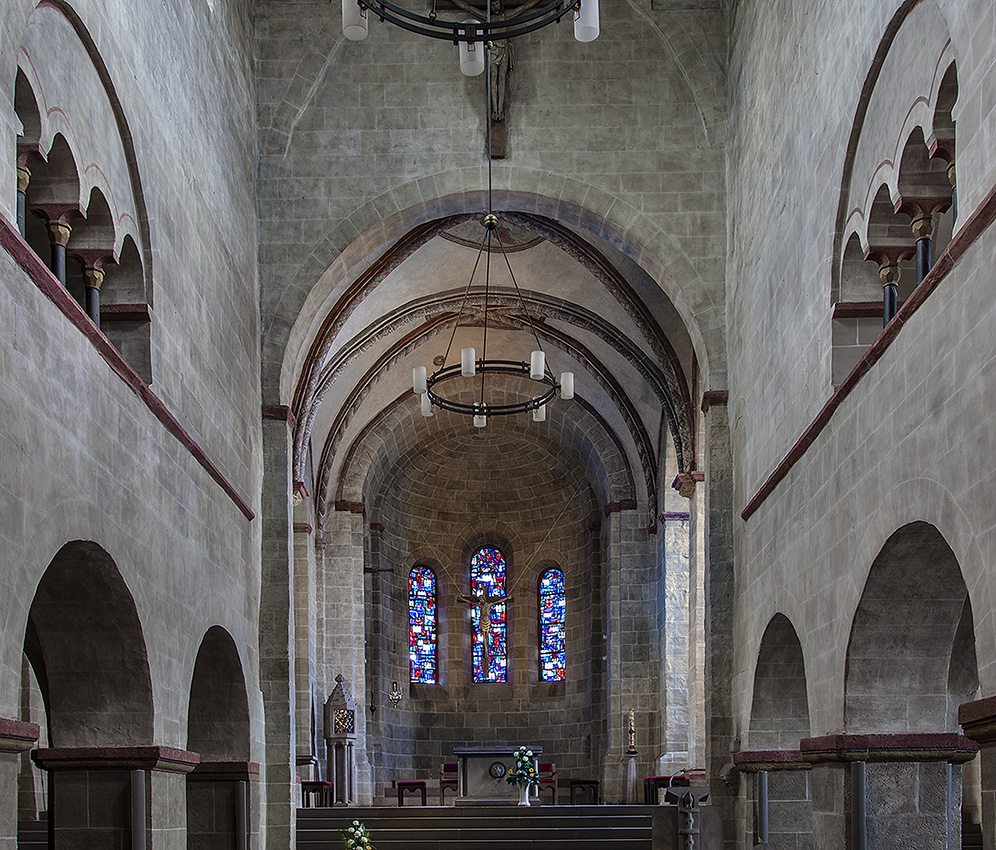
(356, 13)
(474, 37)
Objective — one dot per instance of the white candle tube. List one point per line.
(567, 385)
(539, 413)
(419, 379)
(537, 368)
(467, 366)
(586, 21)
(427, 409)
(354, 20)
(480, 417)
(472, 58)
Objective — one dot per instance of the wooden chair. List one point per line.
(548, 779)
(581, 787)
(447, 779)
(317, 793)
(652, 786)
(415, 786)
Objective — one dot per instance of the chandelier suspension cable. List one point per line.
(426, 385)
(466, 296)
(522, 300)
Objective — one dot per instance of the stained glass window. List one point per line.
(552, 627)
(422, 625)
(487, 577)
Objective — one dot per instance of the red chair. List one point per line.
(447, 779)
(548, 779)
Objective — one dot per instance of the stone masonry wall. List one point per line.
(442, 502)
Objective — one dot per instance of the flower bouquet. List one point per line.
(524, 774)
(357, 837)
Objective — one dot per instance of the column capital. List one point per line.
(684, 482)
(754, 761)
(162, 759)
(225, 771)
(889, 747)
(23, 177)
(16, 736)
(916, 207)
(978, 720)
(887, 255)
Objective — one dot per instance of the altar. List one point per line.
(482, 770)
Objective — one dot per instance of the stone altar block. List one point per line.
(482, 771)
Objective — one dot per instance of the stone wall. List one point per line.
(905, 444)
(161, 479)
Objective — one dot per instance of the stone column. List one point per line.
(276, 632)
(308, 712)
(90, 791)
(632, 649)
(716, 516)
(344, 633)
(978, 720)
(889, 258)
(673, 613)
(213, 806)
(921, 212)
(23, 179)
(789, 802)
(16, 737)
(905, 785)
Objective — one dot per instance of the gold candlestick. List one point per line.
(632, 732)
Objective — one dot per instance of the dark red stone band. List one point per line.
(890, 747)
(981, 218)
(43, 278)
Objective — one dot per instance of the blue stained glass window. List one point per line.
(487, 576)
(553, 627)
(422, 625)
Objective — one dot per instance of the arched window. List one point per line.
(552, 627)
(487, 578)
(422, 625)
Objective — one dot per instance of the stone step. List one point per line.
(32, 835)
(483, 828)
(971, 833)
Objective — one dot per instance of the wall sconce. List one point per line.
(395, 695)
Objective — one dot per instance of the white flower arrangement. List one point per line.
(524, 771)
(356, 837)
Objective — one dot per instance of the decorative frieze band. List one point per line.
(16, 736)
(754, 761)
(162, 759)
(890, 747)
(978, 720)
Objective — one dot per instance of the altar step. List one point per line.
(32, 834)
(483, 828)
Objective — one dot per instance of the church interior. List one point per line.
(606, 379)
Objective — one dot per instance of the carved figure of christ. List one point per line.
(484, 601)
(500, 52)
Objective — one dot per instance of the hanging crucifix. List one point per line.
(485, 601)
(501, 63)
